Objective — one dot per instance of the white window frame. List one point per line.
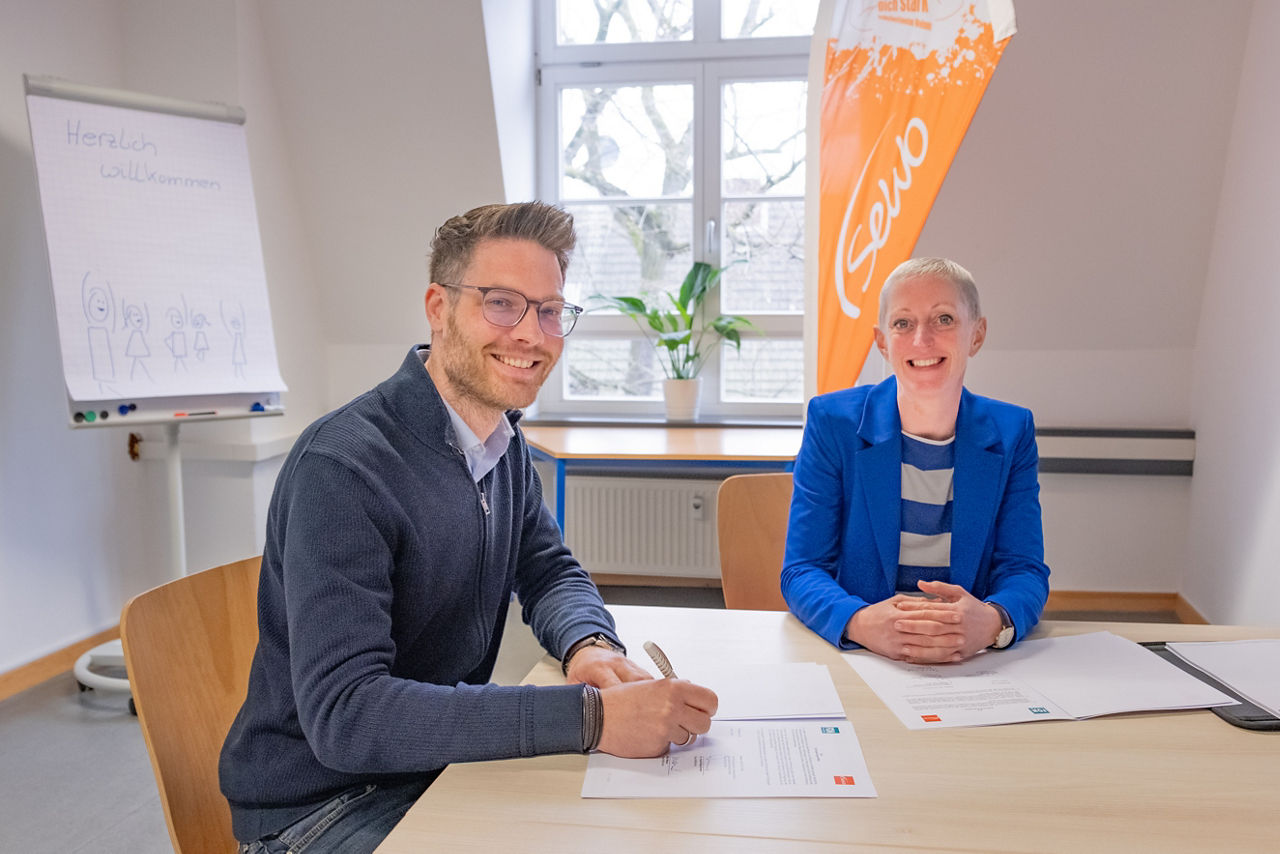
(706, 63)
(706, 43)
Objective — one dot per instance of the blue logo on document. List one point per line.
(1038, 710)
(827, 730)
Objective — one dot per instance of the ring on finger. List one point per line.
(687, 741)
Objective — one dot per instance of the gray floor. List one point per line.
(75, 777)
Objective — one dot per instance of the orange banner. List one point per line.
(903, 79)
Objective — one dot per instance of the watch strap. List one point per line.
(1006, 626)
(599, 639)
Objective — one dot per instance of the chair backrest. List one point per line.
(188, 645)
(751, 519)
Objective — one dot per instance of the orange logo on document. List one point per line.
(844, 781)
(931, 719)
(903, 79)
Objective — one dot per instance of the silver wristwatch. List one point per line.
(598, 639)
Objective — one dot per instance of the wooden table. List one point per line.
(1160, 782)
(747, 448)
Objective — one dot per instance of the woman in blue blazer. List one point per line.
(918, 486)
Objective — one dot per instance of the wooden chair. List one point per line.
(751, 519)
(188, 645)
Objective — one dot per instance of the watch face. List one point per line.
(604, 643)
(1004, 638)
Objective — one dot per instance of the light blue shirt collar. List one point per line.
(481, 456)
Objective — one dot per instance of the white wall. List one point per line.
(391, 130)
(75, 534)
(1116, 533)
(82, 528)
(1235, 496)
(1083, 201)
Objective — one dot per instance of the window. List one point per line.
(674, 131)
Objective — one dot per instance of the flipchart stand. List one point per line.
(158, 281)
(110, 656)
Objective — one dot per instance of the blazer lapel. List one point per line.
(879, 470)
(979, 461)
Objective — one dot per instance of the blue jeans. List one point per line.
(354, 822)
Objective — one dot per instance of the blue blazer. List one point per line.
(844, 529)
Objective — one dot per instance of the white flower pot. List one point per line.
(681, 398)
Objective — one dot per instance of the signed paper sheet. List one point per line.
(743, 759)
(780, 731)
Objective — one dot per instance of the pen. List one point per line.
(660, 659)
(664, 665)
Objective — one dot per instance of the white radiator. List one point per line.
(642, 526)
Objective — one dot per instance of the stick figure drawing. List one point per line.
(99, 306)
(138, 319)
(176, 340)
(198, 323)
(233, 319)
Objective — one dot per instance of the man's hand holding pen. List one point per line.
(646, 718)
(643, 716)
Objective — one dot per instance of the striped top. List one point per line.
(924, 551)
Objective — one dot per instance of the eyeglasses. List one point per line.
(505, 307)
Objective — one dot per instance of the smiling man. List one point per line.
(400, 527)
(915, 519)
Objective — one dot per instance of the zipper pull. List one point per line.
(484, 503)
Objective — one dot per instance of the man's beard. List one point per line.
(465, 366)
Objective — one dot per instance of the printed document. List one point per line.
(1066, 678)
(743, 759)
(1251, 668)
(780, 731)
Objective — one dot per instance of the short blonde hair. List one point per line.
(941, 268)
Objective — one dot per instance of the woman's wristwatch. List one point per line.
(1005, 636)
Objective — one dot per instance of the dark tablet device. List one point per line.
(1244, 714)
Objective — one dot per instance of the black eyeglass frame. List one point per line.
(575, 311)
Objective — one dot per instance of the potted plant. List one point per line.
(683, 336)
